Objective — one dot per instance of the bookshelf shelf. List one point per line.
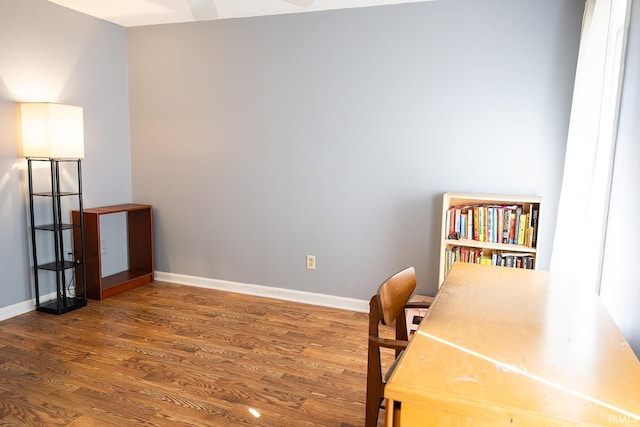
(493, 246)
(489, 229)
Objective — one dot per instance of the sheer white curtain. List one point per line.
(584, 197)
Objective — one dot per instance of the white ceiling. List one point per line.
(133, 13)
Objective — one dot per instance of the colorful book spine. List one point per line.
(491, 223)
(515, 224)
(534, 225)
(499, 225)
(463, 225)
(506, 224)
(516, 235)
(522, 229)
(476, 223)
(512, 228)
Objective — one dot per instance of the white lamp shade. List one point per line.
(52, 131)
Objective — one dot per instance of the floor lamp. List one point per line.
(54, 134)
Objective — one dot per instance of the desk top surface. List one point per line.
(520, 344)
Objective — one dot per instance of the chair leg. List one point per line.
(374, 388)
(374, 398)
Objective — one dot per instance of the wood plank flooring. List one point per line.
(171, 355)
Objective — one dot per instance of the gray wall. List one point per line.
(620, 289)
(261, 140)
(49, 53)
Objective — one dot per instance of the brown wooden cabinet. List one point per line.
(140, 244)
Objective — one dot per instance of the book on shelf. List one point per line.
(499, 223)
(512, 227)
(535, 212)
(516, 226)
(506, 225)
(482, 223)
(510, 224)
(522, 229)
(487, 257)
(490, 226)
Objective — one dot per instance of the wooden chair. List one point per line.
(386, 306)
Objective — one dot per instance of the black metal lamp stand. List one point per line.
(66, 271)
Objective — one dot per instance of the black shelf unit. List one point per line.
(66, 271)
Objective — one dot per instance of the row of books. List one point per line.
(494, 224)
(487, 257)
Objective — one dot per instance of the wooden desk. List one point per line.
(516, 347)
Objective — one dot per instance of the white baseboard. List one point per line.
(266, 291)
(22, 307)
(312, 298)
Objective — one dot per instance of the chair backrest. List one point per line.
(394, 293)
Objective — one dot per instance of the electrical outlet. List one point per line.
(311, 262)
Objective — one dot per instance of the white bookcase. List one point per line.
(503, 230)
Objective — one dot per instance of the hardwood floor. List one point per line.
(171, 355)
